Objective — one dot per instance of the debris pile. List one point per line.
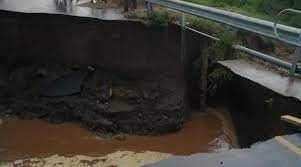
(102, 101)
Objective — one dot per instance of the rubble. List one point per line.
(102, 101)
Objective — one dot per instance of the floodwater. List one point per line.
(36, 138)
(67, 7)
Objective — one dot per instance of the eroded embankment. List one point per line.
(123, 77)
(112, 76)
(101, 101)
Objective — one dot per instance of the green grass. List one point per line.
(162, 17)
(264, 9)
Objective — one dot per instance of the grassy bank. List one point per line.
(264, 9)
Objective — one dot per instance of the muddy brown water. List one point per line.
(36, 138)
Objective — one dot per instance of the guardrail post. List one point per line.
(149, 7)
(295, 60)
(183, 36)
(184, 62)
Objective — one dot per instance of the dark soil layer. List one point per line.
(127, 47)
(106, 102)
(142, 94)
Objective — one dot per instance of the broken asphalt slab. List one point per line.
(269, 78)
(66, 85)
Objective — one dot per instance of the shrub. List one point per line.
(161, 18)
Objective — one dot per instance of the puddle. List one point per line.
(35, 138)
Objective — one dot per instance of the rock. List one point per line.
(139, 101)
(70, 104)
(9, 111)
(154, 95)
(120, 107)
(91, 68)
(65, 85)
(165, 117)
(57, 117)
(41, 72)
(102, 107)
(120, 137)
(1, 121)
(105, 122)
(145, 94)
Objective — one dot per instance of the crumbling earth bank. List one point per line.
(102, 101)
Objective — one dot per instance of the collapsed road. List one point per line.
(126, 77)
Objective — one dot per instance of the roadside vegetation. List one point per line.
(216, 51)
(222, 50)
(265, 9)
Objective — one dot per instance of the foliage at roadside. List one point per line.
(264, 9)
(158, 18)
(162, 17)
(218, 51)
(222, 49)
(204, 25)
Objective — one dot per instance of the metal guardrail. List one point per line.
(265, 28)
(262, 56)
(297, 53)
(277, 18)
(276, 31)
